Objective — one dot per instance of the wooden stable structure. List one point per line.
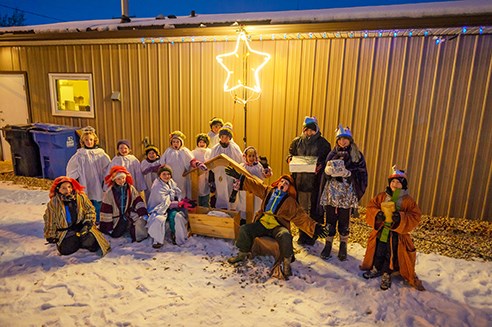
(204, 224)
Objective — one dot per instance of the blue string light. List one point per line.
(464, 29)
(426, 33)
(395, 34)
(480, 30)
(410, 34)
(366, 35)
(380, 34)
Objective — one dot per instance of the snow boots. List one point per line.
(241, 256)
(373, 273)
(326, 252)
(385, 281)
(342, 252)
(287, 267)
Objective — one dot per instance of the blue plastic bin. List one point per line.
(57, 144)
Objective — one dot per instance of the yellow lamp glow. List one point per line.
(256, 89)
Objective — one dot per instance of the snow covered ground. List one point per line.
(136, 285)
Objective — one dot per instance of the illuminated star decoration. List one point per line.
(256, 89)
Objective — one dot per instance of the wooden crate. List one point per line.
(221, 227)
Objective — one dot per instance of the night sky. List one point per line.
(55, 11)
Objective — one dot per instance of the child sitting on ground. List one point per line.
(123, 209)
(167, 215)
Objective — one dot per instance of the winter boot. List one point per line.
(173, 238)
(373, 273)
(342, 253)
(241, 256)
(326, 252)
(385, 281)
(287, 267)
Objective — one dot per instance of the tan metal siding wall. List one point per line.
(408, 101)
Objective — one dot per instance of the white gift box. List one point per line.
(303, 164)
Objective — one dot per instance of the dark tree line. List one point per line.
(15, 19)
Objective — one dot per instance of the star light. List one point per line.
(256, 89)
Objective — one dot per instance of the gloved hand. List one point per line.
(329, 170)
(52, 240)
(174, 205)
(86, 228)
(264, 162)
(380, 218)
(230, 171)
(346, 173)
(320, 231)
(396, 219)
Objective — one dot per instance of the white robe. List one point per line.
(132, 164)
(202, 155)
(149, 176)
(179, 161)
(214, 138)
(257, 171)
(223, 183)
(160, 198)
(89, 167)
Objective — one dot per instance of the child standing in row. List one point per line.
(251, 163)
(150, 166)
(179, 158)
(215, 125)
(224, 183)
(130, 162)
(202, 154)
(123, 209)
(88, 166)
(346, 182)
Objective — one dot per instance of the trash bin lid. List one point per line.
(53, 127)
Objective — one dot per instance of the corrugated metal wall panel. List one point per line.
(407, 100)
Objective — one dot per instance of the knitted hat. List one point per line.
(177, 135)
(62, 179)
(164, 167)
(115, 172)
(125, 142)
(203, 137)
(216, 120)
(400, 175)
(151, 147)
(343, 132)
(292, 187)
(86, 131)
(310, 123)
(226, 130)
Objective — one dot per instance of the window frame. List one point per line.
(53, 78)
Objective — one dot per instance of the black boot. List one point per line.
(342, 253)
(241, 256)
(326, 252)
(287, 267)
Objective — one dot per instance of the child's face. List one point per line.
(175, 144)
(120, 180)
(309, 132)
(89, 141)
(224, 139)
(283, 185)
(201, 144)
(216, 128)
(151, 155)
(250, 157)
(165, 176)
(65, 188)
(123, 149)
(395, 183)
(343, 142)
